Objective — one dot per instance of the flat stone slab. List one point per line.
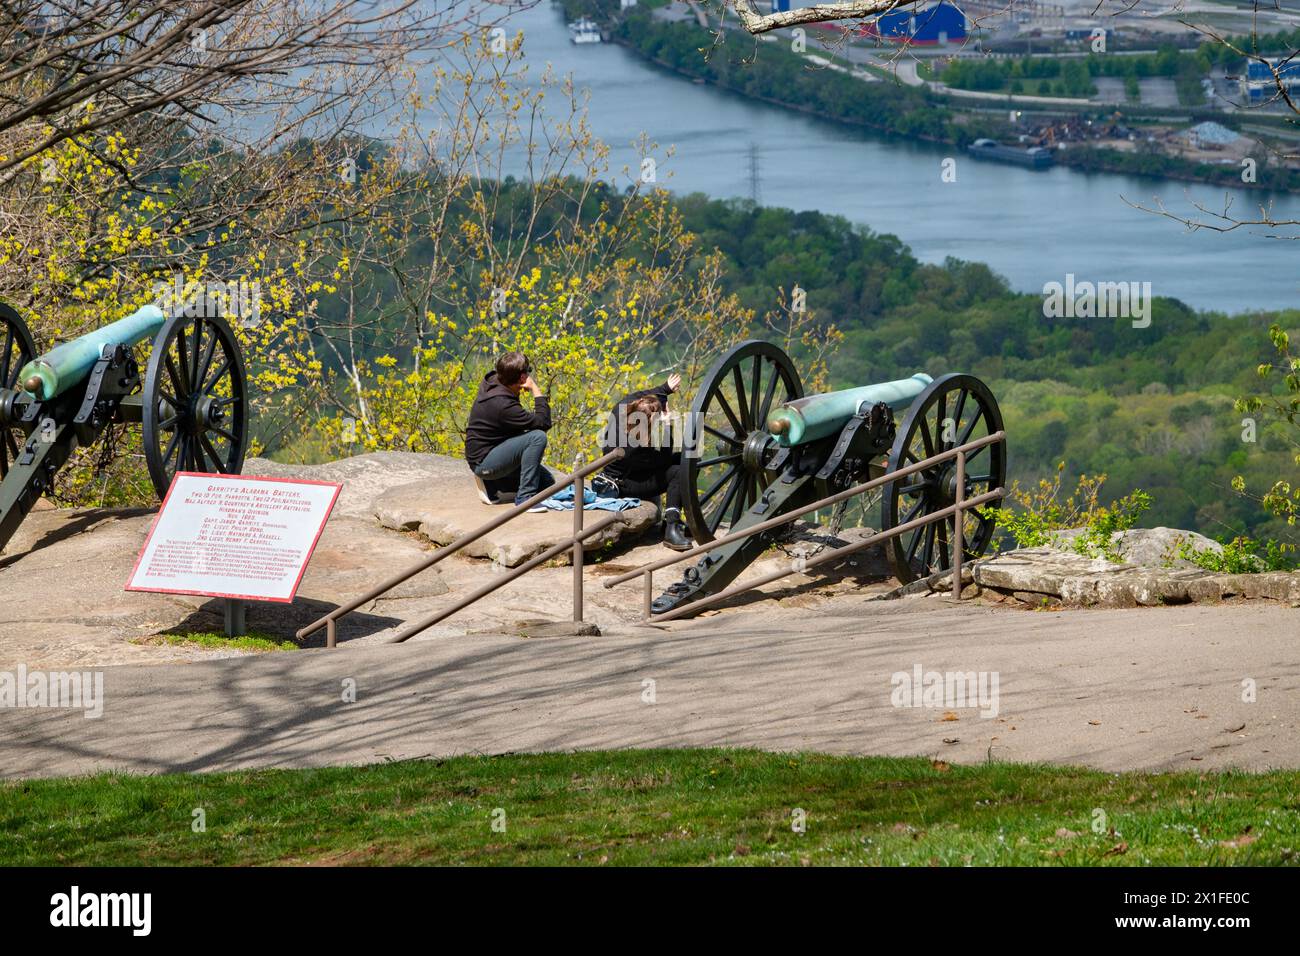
(1095, 582)
(447, 508)
(366, 477)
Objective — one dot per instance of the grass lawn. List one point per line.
(658, 807)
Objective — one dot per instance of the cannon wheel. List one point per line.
(729, 417)
(17, 348)
(970, 411)
(195, 401)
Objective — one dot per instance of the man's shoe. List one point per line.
(483, 495)
(676, 535)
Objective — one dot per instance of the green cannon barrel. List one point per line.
(62, 367)
(816, 416)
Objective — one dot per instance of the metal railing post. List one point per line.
(578, 495)
(958, 518)
(649, 578)
(327, 621)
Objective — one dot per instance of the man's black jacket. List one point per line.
(497, 415)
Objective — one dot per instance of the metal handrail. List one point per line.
(574, 478)
(646, 572)
(876, 538)
(815, 506)
(505, 579)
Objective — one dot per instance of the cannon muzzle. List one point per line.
(816, 416)
(62, 367)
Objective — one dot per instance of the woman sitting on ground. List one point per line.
(650, 467)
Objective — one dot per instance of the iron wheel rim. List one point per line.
(195, 401)
(17, 348)
(729, 421)
(974, 414)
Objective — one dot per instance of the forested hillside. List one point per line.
(1151, 407)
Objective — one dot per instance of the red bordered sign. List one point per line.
(234, 536)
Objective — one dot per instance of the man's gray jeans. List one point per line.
(521, 454)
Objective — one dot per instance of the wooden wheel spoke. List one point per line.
(740, 400)
(956, 415)
(768, 396)
(716, 518)
(755, 380)
(195, 357)
(203, 367)
(913, 511)
(210, 384)
(216, 457)
(964, 437)
(183, 453)
(722, 435)
(737, 425)
(913, 542)
(926, 442)
(713, 489)
(177, 379)
(229, 436)
(709, 462)
(743, 493)
(182, 366)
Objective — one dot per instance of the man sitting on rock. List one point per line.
(650, 467)
(504, 442)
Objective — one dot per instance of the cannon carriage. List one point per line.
(191, 402)
(758, 447)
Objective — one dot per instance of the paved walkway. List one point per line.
(1153, 688)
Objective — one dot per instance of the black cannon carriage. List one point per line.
(191, 403)
(760, 448)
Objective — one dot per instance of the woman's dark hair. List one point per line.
(512, 368)
(647, 405)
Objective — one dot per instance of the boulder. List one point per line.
(1155, 547)
(1147, 547)
(1096, 582)
(444, 510)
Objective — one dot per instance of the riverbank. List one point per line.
(773, 75)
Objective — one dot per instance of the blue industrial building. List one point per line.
(941, 23)
(1258, 82)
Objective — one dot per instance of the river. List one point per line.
(1031, 226)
